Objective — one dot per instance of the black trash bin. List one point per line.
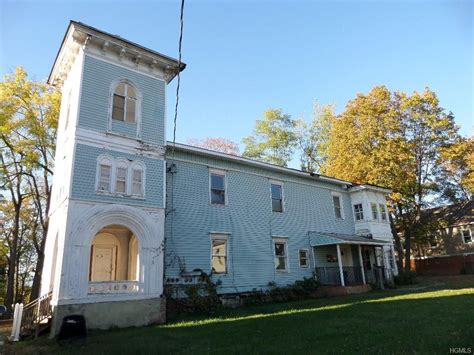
(73, 327)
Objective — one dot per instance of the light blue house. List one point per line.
(127, 219)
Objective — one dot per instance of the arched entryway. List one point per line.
(114, 261)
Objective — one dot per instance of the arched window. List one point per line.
(125, 102)
(104, 174)
(121, 175)
(138, 179)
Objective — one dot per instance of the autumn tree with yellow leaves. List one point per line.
(29, 113)
(398, 141)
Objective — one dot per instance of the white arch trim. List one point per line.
(147, 229)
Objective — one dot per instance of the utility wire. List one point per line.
(181, 23)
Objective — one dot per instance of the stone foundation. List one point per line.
(120, 314)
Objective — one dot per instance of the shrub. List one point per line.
(405, 278)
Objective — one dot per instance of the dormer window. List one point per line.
(124, 105)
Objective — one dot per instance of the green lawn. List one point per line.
(416, 320)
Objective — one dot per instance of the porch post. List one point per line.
(339, 261)
(361, 264)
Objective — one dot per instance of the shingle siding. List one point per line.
(85, 170)
(249, 220)
(98, 77)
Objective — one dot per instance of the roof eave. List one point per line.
(265, 165)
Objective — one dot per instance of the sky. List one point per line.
(244, 57)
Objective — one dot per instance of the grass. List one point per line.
(408, 320)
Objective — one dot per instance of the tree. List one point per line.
(29, 113)
(312, 138)
(273, 139)
(458, 170)
(217, 144)
(393, 140)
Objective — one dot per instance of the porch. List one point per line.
(349, 260)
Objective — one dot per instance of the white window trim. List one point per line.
(104, 159)
(307, 258)
(383, 213)
(354, 212)
(138, 165)
(337, 194)
(122, 163)
(220, 236)
(218, 172)
(138, 105)
(377, 207)
(283, 240)
(470, 233)
(114, 163)
(279, 183)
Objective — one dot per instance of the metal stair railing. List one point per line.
(28, 318)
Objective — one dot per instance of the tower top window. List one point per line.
(124, 106)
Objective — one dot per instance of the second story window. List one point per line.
(104, 177)
(137, 182)
(358, 212)
(121, 180)
(375, 211)
(217, 185)
(124, 103)
(383, 212)
(277, 197)
(336, 201)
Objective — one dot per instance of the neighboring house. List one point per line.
(452, 230)
(132, 212)
(448, 247)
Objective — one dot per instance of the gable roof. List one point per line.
(456, 214)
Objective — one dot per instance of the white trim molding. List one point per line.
(138, 106)
(115, 164)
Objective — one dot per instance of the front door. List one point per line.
(103, 263)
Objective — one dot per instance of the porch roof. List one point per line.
(320, 239)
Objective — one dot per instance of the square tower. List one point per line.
(104, 249)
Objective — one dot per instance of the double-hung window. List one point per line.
(466, 235)
(277, 197)
(304, 257)
(383, 212)
(121, 180)
(358, 212)
(336, 201)
(375, 211)
(218, 186)
(104, 177)
(281, 254)
(124, 103)
(137, 182)
(219, 254)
